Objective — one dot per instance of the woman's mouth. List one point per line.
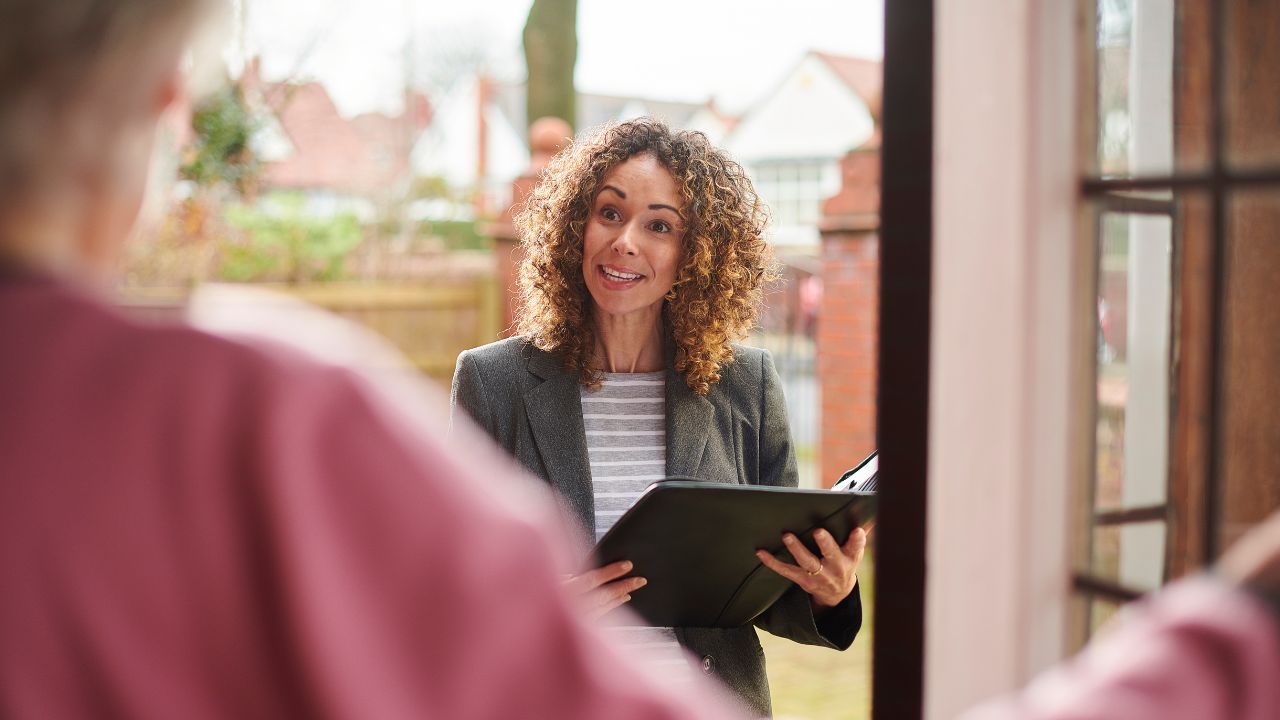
(619, 276)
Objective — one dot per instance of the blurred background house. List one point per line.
(358, 165)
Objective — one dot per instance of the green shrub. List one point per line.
(220, 151)
(287, 245)
(455, 234)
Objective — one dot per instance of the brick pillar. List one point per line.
(547, 136)
(847, 337)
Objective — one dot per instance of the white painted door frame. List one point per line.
(1010, 387)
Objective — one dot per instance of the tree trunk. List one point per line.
(550, 52)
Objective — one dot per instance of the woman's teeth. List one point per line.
(616, 275)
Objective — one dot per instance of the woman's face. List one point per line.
(633, 240)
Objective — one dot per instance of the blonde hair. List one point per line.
(55, 55)
(725, 260)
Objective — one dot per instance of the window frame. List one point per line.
(902, 406)
(1193, 512)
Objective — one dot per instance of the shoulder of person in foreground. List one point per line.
(451, 566)
(360, 563)
(448, 577)
(1199, 650)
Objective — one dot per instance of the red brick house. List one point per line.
(340, 164)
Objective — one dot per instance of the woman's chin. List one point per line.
(627, 310)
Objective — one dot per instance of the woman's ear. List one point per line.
(169, 90)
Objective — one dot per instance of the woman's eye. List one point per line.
(609, 214)
(660, 226)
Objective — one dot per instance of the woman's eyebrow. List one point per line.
(655, 206)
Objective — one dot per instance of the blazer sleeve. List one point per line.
(792, 615)
(467, 396)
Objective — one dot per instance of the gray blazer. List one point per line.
(525, 399)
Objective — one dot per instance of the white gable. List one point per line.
(632, 110)
(269, 141)
(449, 148)
(811, 115)
(707, 122)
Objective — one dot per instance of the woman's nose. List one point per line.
(624, 243)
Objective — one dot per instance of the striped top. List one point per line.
(626, 426)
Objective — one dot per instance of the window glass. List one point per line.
(1133, 352)
(1137, 75)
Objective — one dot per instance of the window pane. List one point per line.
(1134, 64)
(1138, 75)
(1131, 555)
(1252, 92)
(1133, 334)
(1114, 41)
(1248, 459)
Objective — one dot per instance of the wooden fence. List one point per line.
(430, 322)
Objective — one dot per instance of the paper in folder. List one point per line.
(695, 542)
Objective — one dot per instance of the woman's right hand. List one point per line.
(605, 588)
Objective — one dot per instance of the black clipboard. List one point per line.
(695, 543)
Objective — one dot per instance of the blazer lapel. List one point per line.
(554, 409)
(689, 420)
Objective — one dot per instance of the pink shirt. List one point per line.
(195, 528)
(1199, 650)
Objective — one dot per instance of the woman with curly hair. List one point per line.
(645, 262)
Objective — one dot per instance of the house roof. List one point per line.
(865, 77)
(823, 107)
(329, 153)
(363, 155)
(595, 109)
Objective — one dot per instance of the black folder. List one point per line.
(695, 543)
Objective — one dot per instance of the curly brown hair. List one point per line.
(725, 261)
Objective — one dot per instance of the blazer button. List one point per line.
(708, 663)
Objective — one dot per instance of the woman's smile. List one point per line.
(615, 278)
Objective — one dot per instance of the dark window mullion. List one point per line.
(1182, 181)
(1217, 134)
(1127, 516)
(1092, 586)
(1138, 205)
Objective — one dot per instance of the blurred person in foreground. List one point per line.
(191, 527)
(1204, 648)
(646, 263)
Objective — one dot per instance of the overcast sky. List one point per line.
(733, 50)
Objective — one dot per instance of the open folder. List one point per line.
(695, 542)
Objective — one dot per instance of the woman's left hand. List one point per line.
(828, 579)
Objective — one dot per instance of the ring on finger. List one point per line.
(815, 572)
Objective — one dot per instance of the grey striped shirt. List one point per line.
(626, 421)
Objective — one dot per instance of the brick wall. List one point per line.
(847, 346)
(848, 329)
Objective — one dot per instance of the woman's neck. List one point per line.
(49, 239)
(629, 344)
